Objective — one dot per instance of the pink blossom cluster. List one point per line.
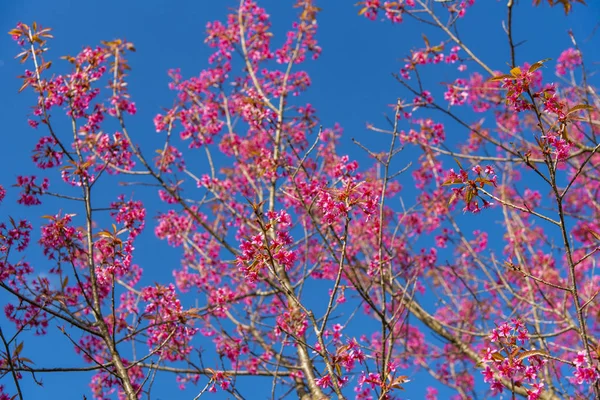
(374, 381)
(457, 93)
(168, 158)
(568, 60)
(47, 153)
(265, 249)
(105, 384)
(172, 226)
(325, 381)
(112, 258)
(291, 322)
(3, 394)
(169, 333)
(560, 146)
(393, 10)
(18, 236)
(131, 214)
(221, 379)
(285, 215)
(31, 191)
(60, 240)
(584, 372)
(505, 361)
(113, 154)
(28, 316)
(469, 188)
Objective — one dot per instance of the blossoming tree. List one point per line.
(309, 275)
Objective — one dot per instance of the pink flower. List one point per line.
(457, 93)
(568, 61)
(31, 190)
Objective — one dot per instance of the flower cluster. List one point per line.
(326, 219)
(560, 146)
(393, 10)
(112, 258)
(17, 275)
(131, 214)
(261, 250)
(105, 384)
(507, 360)
(46, 153)
(112, 152)
(346, 355)
(520, 81)
(219, 378)
(76, 173)
(169, 332)
(291, 322)
(568, 61)
(375, 381)
(173, 227)
(18, 235)
(469, 188)
(457, 93)
(584, 372)
(4, 395)
(325, 381)
(31, 190)
(220, 299)
(28, 316)
(60, 240)
(168, 158)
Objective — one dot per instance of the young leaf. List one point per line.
(452, 182)
(594, 234)
(580, 107)
(531, 353)
(538, 64)
(458, 163)
(500, 78)
(426, 41)
(18, 349)
(452, 198)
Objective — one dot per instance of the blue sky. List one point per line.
(351, 85)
